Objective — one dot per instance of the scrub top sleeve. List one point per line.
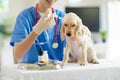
(19, 32)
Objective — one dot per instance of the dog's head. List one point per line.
(71, 25)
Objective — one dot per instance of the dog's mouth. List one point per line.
(71, 39)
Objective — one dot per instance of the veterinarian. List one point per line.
(38, 28)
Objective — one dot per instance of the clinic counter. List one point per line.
(106, 70)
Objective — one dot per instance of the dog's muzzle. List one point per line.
(69, 34)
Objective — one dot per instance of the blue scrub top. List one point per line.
(23, 27)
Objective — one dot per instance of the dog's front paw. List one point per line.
(63, 63)
(94, 61)
(84, 63)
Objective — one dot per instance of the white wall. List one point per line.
(114, 30)
(15, 6)
(85, 2)
(60, 4)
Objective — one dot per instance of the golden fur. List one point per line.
(78, 38)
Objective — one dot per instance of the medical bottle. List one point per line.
(40, 55)
(45, 57)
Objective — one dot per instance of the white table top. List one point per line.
(106, 70)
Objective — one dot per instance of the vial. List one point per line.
(40, 55)
(45, 55)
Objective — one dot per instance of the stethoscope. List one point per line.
(55, 43)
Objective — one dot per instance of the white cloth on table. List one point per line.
(106, 70)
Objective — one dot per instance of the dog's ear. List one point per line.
(79, 26)
(79, 22)
(87, 31)
(62, 31)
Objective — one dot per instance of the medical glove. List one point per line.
(45, 22)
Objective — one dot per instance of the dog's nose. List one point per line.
(69, 34)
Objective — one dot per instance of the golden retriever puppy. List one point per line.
(78, 38)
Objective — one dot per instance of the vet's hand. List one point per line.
(46, 21)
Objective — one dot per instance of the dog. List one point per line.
(78, 41)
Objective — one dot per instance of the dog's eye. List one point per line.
(65, 25)
(73, 25)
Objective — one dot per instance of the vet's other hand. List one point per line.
(45, 22)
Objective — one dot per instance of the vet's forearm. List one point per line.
(22, 47)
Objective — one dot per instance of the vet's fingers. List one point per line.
(45, 15)
(50, 17)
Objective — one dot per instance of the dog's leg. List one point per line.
(93, 56)
(83, 58)
(66, 55)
